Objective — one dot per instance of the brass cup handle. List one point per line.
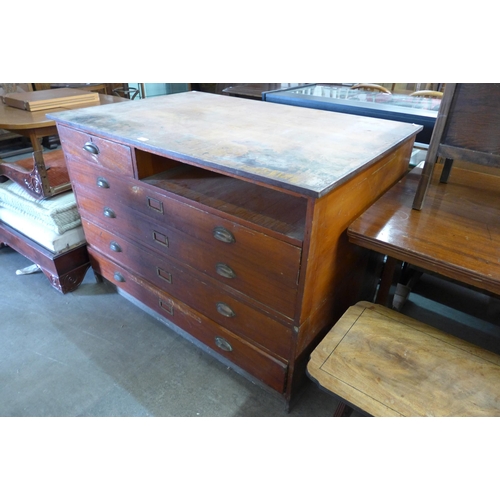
(118, 277)
(222, 234)
(223, 344)
(91, 148)
(115, 247)
(225, 310)
(102, 183)
(109, 213)
(225, 271)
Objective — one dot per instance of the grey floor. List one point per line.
(95, 353)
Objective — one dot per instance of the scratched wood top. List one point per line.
(388, 364)
(303, 150)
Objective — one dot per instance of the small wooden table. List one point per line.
(36, 125)
(389, 365)
(456, 236)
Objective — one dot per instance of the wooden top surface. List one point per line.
(12, 118)
(303, 150)
(456, 234)
(388, 364)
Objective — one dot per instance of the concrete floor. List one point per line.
(95, 353)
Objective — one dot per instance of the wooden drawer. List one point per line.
(246, 268)
(98, 153)
(253, 360)
(206, 295)
(278, 260)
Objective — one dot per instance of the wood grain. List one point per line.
(457, 235)
(388, 364)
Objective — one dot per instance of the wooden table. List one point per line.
(456, 236)
(36, 125)
(386, 364)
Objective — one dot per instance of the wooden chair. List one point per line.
(428, 93)
(466, 129)
(372, 87)
(43, 176)
(130, 92)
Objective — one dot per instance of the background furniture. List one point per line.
(457, 236)
(427, 93)
(28, 223)
(256, 90)
(43, 176)
(47, 232)
(386, 364)
(420, 110)
(227, 216)
(373, 87)
(467, 129)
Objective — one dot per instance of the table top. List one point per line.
(302, 150)
(388, 364)
(19, 119)
(456, 234)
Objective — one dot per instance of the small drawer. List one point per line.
(205, 296)
(258, 363)
(95, 151)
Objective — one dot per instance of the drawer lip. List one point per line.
(266, 368)
(250, 320)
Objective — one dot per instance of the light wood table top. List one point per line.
(387, 364)
(456, 234)
(15, 119)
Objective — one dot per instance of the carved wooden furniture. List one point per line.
(457, 236)
(467, 129)
(47, 232)
(386, 364)
(43, 176)
(65, 271)
(227, 216)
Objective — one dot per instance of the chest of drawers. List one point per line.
(228, 217)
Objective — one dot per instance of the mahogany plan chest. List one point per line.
(228, 216)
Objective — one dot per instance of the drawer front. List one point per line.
(253, 360)
(274, 259)
(204, 296)
(98, 153)
(257, 278)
